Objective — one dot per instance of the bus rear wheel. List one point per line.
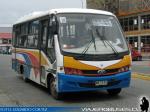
(53, 90)
(114, 92)
(23, 74)
(25, 79)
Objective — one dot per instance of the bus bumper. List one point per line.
(73, 83)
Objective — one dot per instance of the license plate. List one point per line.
(101, 83)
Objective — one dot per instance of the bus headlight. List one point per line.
(124, 69)
(72, 71)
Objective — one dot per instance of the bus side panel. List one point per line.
(29, 60)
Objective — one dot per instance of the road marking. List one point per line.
(141, 76)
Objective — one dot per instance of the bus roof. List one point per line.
(35, 15)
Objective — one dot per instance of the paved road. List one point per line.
(142, 67)
(14, 91)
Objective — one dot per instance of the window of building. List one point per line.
(135, 23)
(145, 44)
(129, 24)
(145, 22)
(5, 41)
(133, 42)
(126, 25)
(9, 41)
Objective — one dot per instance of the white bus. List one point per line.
(72, 50)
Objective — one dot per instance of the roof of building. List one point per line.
(6, 35)
(35, 15)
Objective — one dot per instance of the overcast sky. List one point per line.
(11, 10)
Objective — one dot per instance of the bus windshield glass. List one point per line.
(90, 34)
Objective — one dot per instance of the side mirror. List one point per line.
(54, 25)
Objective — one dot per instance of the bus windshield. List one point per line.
(90, 34)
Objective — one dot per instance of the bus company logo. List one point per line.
(101, 65)
(101, 72)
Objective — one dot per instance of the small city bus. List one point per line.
(72, 50)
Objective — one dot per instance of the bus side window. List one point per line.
(44, 32)
(44, 36)
(47, 42)
(51, 45)
(17, 35)
(51, 49)
(33, 34)
(32, 41)
(23, 41)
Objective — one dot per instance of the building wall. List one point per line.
(136, 24)
(5, 39)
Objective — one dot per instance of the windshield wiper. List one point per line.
(107, 42)
(112, 47)
(89, 44)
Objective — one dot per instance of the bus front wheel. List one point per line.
(114, 92)
(25, 79)
(53, 90)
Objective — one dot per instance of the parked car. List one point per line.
(136, 56)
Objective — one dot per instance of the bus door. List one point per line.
(43, 49)
(48, 49)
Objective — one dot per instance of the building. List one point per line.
(134, 16)
(5, 39)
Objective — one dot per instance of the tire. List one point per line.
(114, 92)
(53, 90)
(23, 75)
(25, 79)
